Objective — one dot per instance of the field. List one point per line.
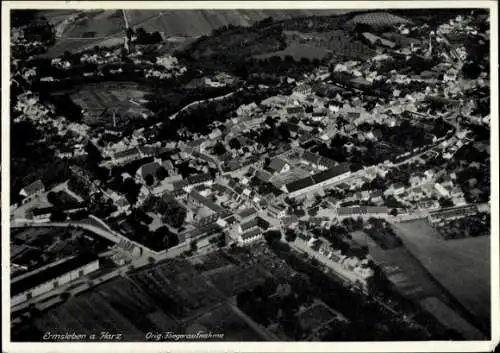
(115, 304)
(203, 22)
(96, 24)
(411, 278)
(176, 287)
(97, 27)
(224, 320)
(100, 101)
(379, 19)
(337, 42)
(232, 280)
(299, 51)
(461, 266)
(315, 317)
(402, 269)
(91, 29)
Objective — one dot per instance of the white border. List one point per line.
(428, 346)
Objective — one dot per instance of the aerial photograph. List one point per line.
(218, 175)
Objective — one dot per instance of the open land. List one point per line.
(461, 266)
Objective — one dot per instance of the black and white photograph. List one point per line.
(250, 174)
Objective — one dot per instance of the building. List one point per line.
(443, 192)
(277, 211)
(279, 166)
(50, 277)
(376, 197)
(197, 198)
(243, 227)
(32, 191)
(263, 175)
(198, 179)
(250, 236)
(319, 180)
(126, 156)
(451, 213)
(246, 214)
(317, 161)
(398, 188)
(356, 211)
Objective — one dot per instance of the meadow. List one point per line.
(462, 266)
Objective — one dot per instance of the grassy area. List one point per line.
(298, 52)
(100, 101)
(461, 266)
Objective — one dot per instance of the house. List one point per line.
(398, 188)
(143, 195)
(442, 191)
(47, 278)
(294, 110)
(126, 156)
(169, 167)
(277, 211)
(376, 197)
(215, 134)
(429, 173)
(278, 165)
(32, 191)
(243, 227)
(319, 180)
(198, 179)
(250, 236)
(447, 182)
(417, 179)
(263, 175)
(246, 214)
(316, 161)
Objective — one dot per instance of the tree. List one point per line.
(445, 202)
(52, 198)
(219, 148)
(57, 216)
(149, 179)
(290, 235)
(161, 173)
(394, 212)
(193, 246)
(235, 144)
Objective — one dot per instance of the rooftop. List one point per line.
(247, 212)
(251, 233)
(277, 164)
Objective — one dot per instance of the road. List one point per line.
(173, 116)
(126, 29)
(100, 231)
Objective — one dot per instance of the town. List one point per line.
(278, 192)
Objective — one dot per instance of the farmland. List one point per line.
(299, 51)
(117, 304)
(379, 19)
(96, 24)
(461, 266)
(412, 279)
(99, 27)
(176, 287)
(224, 320)
(100, 101)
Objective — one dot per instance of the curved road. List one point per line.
(100, 231)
